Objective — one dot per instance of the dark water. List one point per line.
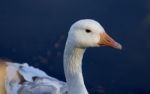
(35, 31)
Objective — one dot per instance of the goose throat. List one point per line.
(73, 69)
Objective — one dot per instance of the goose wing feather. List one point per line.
(41, 84)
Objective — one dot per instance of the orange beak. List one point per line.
(106, 40)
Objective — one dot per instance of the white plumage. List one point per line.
(36, 81)
(25, 79)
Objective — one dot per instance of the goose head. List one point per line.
(89, 33)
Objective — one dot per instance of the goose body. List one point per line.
(24, 79)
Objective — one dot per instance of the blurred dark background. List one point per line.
(35, 31)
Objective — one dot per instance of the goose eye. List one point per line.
(88, 31)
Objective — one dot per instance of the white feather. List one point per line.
(43, 84)
(77, 42)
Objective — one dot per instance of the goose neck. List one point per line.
(73, 69)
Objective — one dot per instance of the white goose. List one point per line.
(23, 79)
